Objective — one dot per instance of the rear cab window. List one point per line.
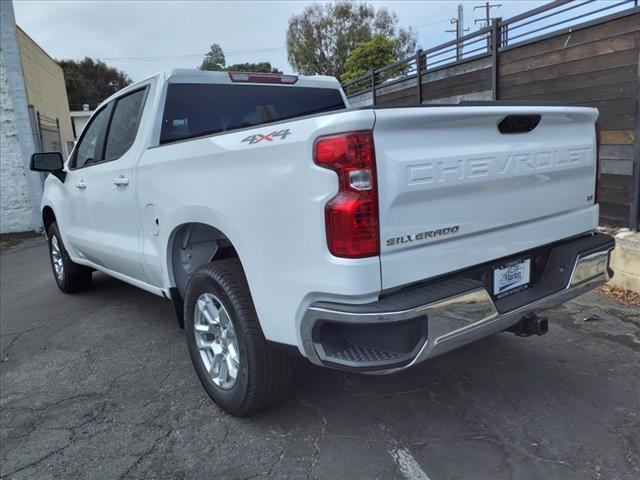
(198, 109)
(124, 124)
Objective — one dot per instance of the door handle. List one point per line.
(121, 181)
(81, 185)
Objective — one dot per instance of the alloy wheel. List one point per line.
(216, 341)
(56, 258)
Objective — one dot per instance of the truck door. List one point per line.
(75, 220)
(110, 190)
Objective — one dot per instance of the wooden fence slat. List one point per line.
(614, 196)
(457, 69)
(591, 80)
(615, 188)
(617, 137)
(481, 96)
(619, 106)
(611, 91)
(588, 50)
(616, 152)
(614, 214)
(590, 34)
(461, 79)
(616, 167)
(430, 93)
(586, 65)
(403, 101)
(620, 121)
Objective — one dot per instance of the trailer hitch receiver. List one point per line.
(529, 325)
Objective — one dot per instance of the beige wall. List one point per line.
(44, 82)
(625, 262)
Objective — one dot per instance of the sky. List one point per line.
(143, 37)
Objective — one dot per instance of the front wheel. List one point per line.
(234, 363)
(70, 277)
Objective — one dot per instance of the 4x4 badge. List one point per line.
(269, 137)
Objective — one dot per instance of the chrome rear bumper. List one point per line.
(452, 322)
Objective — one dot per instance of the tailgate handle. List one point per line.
(518, 123)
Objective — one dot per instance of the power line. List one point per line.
(431, 23)
(188, 55)
(151, 58)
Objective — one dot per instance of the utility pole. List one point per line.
(487, 15)
(487, 18)
(459, 30)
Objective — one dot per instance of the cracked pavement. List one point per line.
(99, 385)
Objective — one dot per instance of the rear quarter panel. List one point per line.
(268, 198)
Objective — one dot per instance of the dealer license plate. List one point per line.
(512, 277)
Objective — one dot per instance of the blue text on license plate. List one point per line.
(510, 276)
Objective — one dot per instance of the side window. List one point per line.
(124, 124)
(86, 150)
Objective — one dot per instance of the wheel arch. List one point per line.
(190, 245)
(48, 217)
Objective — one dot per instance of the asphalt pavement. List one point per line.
(99, 385)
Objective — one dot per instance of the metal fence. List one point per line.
(549, 19)
(49, 129)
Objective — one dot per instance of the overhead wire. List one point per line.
(148, 58)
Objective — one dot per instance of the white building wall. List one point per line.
(80, 120)
(15, 208)
(20, 189)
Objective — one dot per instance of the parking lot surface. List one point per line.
(99, 385)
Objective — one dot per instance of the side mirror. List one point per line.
(47, 162)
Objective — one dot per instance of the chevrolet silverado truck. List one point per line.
(278, 220)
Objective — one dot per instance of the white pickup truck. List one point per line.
(279, 220)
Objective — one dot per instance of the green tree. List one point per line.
(91, 81)
(214, 59)
(263, 67)
(321, 38)
(375, 53)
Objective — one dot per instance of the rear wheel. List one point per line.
(70, 277)
(237, 368)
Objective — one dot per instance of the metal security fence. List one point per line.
(574, 52)
(533, 25)
(49, 129)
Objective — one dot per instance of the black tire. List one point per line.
(264, 374)
(74, 277)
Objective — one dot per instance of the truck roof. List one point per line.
(188, 75)
(183, 75)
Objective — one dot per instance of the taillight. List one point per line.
(351, 217)
(595, 194)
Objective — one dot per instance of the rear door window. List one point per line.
(124, 124)
(193, 110)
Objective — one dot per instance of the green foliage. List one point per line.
(214, 60)
(89, 81)
(264, 67)
(322, 37)
(375, 53)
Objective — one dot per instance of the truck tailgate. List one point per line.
(455, 191)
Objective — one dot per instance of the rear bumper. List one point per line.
(415, 324)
